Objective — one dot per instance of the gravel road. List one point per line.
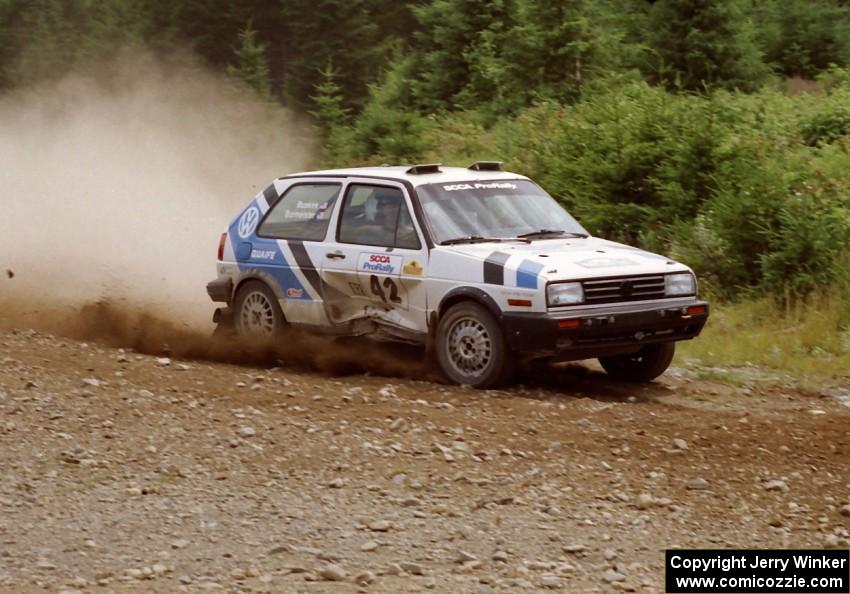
(125, 471)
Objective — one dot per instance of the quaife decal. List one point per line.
(248, 222)
(262, 254)
(379, 263)
(413, 268)
(294, 293)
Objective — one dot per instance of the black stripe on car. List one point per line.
(305, 264)
(271, 196)
(494, 268)
(308, 269)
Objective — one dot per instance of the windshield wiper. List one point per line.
(481, 238)
(558, 232)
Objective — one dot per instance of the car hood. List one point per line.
(579, 258)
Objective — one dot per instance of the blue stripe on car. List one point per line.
(527, 273)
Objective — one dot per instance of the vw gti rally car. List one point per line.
(481, 265)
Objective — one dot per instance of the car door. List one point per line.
(282, 251)
(376, 264)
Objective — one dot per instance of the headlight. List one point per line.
(680, 284)
(564, 294)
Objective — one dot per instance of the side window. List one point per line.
(303, 212)
(377, 215)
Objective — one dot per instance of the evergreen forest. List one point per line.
(716, 131)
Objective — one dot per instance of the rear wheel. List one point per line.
(257, 311)
(471, 347)
(642, 366)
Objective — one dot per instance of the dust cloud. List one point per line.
(117, 180)
(115, 184)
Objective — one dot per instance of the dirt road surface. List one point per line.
(128, 471)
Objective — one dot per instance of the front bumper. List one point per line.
(587, 333)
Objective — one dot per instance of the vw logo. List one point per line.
(248, 222)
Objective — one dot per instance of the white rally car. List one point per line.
(479, 264)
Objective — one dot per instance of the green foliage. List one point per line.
(251, 67)
(704, 44)
(803, 37)
(384, 131)
(458, 51)
(722, 182)
(654, 123)
(44, 38)
(332, 116)
(649, 154)
(313, 33)
(827, 125)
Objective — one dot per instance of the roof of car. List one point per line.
(403, 173)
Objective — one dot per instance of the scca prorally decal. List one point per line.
(379, 263)
(248, 222)
(480, 186)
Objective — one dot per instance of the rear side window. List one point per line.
(303, 212)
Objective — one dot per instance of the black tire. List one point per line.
(642, 366)
(471, 347)
(256, 312)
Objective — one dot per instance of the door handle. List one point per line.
(335, 255)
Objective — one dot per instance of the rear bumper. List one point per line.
(588, 333)
(220, 290)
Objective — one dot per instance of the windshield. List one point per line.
(493, 209)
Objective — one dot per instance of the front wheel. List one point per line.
(471, 347)
(257, 313)
(643, 366)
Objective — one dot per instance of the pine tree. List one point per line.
(332, 116)
(702, 44)
(328, 101)
(460, 52)
(252, 66)
(803, 37)
(342, 31)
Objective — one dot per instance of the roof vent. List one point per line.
(486, 166)
(427, 168)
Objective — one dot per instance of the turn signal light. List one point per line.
(221, 246)
(696, 310)
(568, 324)
(520, 302)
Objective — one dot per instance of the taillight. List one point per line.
(221, 246)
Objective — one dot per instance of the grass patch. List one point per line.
(809, 339)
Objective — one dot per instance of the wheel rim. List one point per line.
(256, 318)
(469, 346)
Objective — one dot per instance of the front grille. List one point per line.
(626, 288)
